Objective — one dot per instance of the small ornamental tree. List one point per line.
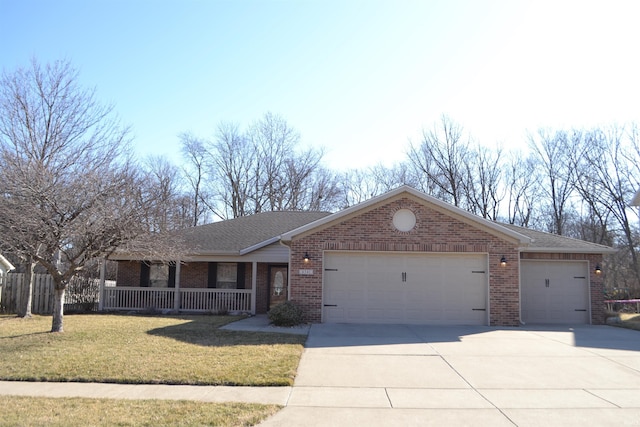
(70, 192)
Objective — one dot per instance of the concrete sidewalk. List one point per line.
(267, 395)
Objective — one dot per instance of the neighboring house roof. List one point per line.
(636, 199)
(490, 226)
(548, 242)
(239, 236)
(5, 264)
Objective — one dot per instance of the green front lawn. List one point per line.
(146, 349)
(76, 412)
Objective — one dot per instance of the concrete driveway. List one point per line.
(425, 375)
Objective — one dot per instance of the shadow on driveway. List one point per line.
(355, 335)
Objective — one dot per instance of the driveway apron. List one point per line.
(403, 375)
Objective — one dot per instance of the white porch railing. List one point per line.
(130, 298)
(215, 300)
(190, 299)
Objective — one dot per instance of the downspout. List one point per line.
(522, 323)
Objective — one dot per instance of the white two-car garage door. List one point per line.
(554, 292)
(365, 287)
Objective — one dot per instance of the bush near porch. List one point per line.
(146, 350)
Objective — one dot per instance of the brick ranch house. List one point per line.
(402, 257)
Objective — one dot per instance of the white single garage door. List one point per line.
(554, 292)
(365, 287)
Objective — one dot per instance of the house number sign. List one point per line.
(306, 272)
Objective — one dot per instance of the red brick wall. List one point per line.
(596, 281)
(194, 275)
(435, 231)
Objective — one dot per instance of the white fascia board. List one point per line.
(570, 250)
(418, 194)
(259, 245)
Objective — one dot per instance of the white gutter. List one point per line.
(603, 250)
(6, 264)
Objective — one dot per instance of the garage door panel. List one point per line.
(434, 289)
(554, 292)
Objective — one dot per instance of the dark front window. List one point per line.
(157, 275)
(226, 275)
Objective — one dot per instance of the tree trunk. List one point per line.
(58, 308)
(27, 291)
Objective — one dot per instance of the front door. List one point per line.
(277, 285)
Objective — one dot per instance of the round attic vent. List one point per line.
(404, 220)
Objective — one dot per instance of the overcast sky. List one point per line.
(360, 78)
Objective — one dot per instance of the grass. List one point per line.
(146, 350)
(66, 412)
(630, 321)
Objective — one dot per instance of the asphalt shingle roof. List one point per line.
(234, 235)
(554, 242)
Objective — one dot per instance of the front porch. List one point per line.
(224, 286)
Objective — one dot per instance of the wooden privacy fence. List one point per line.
(81, 295)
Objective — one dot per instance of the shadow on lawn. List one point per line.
(26, 335)
(204, 331)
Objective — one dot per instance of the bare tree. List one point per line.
(483, 186)
(306, 183)
(69, 185)
(357, 185)
(170, 209)
(323, 193)
(608, 177)
(521, 189)
(442, 155)
(274, 142)
(234, 163)
(198, 158)
(263, 169)
(553, 153)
